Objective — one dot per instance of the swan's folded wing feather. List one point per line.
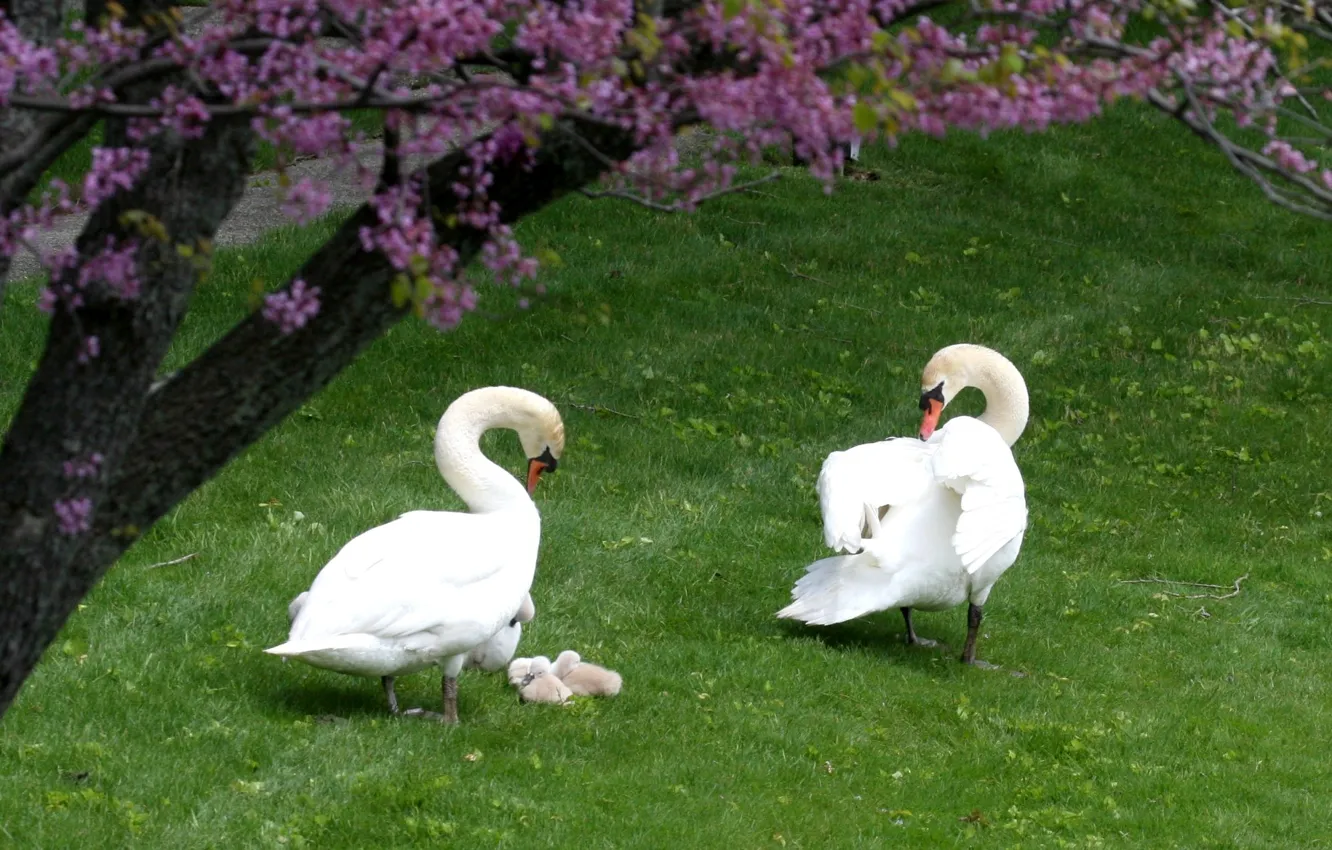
(389, 582)
(868, 476)
(974, 461)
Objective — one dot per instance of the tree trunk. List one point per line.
(160, 446)
(72, 408)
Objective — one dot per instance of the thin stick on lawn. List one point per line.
(1235, 587)
(1298, 299)
(795, 273)
(597, 408)
(182, 559)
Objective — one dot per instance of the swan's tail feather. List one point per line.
(299, 648)
(837, 589)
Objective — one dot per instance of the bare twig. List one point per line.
(179, 560)
(793, 273)
(597, 408)
(1298, 299)
(857, 307)
(630, 196)
(1235, 587)
(679, 206)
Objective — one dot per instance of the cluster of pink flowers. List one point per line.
(112, 169)
(779, 84)
(292, 309)
(86, 466)
(74, 515)
(811, 74)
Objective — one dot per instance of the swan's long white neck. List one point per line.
(483, 484)
(1007, 406)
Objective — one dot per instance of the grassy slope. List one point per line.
(1100, 256)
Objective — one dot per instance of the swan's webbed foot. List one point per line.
(911, 637)
(424, 714)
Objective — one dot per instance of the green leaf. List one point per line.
(864, 117)
(400, 290)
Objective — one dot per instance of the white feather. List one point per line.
(956, 513)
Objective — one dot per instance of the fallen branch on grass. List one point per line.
(182, 559)
(1298, 299)
(1234, 588)
(793, 273)
(597, 408)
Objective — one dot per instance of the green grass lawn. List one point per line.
(1168, 324)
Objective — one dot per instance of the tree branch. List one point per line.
(252, 378)
(679, 206)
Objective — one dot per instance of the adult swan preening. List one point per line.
(927, 523)
(429, 586)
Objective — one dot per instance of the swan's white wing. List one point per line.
(869, 476)
(970, 458)
(427, 571)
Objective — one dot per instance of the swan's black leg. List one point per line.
(390, 693)
(974, 617)
(450, 699)
(911, 636)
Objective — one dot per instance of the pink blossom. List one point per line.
(762, 74)
(90, 348)
(74, 515)
(291, 310)
(306, 200)
(115, 267)
(1288, 157)
(112, 169)
(83, 467)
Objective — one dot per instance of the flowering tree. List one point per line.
(513, 103)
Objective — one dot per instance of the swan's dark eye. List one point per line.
(935, 394)
(513, 622)
(551, 464)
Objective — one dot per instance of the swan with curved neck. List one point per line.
(957, 367)
(430, 586)
(483, 484)
(926, 523)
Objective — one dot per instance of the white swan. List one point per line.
(492, 655)
(430, 586)
(956, 507)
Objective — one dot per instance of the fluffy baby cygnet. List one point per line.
(585, 679)
(518, 670)
(495, 653)
(536, 683)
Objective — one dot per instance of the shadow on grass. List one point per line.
(357, 698)
(882, 636)
(362, 698)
